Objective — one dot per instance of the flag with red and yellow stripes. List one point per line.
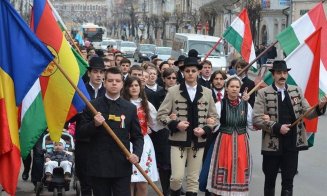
(60, 100)
(22, 59)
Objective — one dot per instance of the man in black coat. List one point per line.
(179, 63)
(108, 168)
(96, 74)
(204, 79)
(95, 89)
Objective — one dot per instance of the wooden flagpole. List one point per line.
(256, 87)
(109, 130)
(72, 41)
(210, 51)
(304, 115)
(259, 56)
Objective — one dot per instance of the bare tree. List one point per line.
(209, 14)
(147, 23)
(195, 19)
(155, 22)
(178, 19)
(254, 12)
(164, 19)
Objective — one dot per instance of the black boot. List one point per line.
(191, 194)
(286, 193)
(175, 193)
(269, 192)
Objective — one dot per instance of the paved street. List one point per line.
(311, 179)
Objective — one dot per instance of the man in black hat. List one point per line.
(96, 74)
(184, 111)
(179, 63)
(95, 88)
(281, 143)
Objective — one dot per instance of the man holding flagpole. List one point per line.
(281, 142)
(108, 168)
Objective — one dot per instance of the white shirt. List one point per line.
(191, 90)
(222, 91)
(125, 76)
(282, 90)
(205, 79)
(112, 98)
(154, 87)
(96, 90)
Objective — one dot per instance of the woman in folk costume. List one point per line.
(230, 167)
(134, 92)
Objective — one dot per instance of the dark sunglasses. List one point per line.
(171, 78)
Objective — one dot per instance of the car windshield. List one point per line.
(107, 42)
(147, 47)
(164, 51)
(204, 47)
(128, 44)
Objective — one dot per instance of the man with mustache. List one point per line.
(280, 142)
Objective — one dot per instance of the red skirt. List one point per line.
(231, 165)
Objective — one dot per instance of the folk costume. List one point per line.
(148, 158)
(231, 165)
(185, 146)
(283, 106)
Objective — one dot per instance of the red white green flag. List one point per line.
(239, 35)
(300, 30)
(304, 62)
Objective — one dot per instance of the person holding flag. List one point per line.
(281, 142)
(109, 170)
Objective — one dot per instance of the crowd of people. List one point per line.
(179, 119)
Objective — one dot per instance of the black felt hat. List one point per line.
(191, 61)
(180, 58)
(193, 53)
(96, 63)
(279, 65)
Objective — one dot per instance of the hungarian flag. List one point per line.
(304, 62)
(239, 35)
(22, 59)
(60, 100)
(300, 30)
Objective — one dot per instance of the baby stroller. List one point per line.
(58, 185)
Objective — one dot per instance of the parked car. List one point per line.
(184, 42)
(128, 49)
(106, 42)
(144, 51)
(163, 53)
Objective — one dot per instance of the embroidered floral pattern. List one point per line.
(148, 164)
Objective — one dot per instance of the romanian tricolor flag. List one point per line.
(60, 100)
(22, 59)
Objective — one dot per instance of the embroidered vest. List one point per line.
(233, 118)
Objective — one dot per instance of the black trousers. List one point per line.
(37, 161)
(81, 153)
(287, 162)
(111, 186)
